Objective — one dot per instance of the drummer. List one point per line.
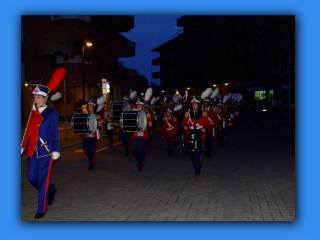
(90, 141)
(139, 141)
(125, 137)
(195, 122)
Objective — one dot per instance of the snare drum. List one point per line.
(117, 108)
(84, 123)
(133, 120)
(194, 143)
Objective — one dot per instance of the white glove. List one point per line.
(55, 155)
(22, 150)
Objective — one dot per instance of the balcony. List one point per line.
(157, 61)
(86, 18)
(76, 59)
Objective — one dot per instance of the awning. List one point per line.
(258, 88)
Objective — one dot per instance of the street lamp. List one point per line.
(198, 23)
(89, 44)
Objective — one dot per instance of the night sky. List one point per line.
(149, 32)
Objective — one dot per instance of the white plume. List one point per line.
(214, 93)
(55, 96)
(206, 93)
(153, 101)
(165, 99)
(148, 94)
(157, 99)
(177, 108)
(225, 99)
(101, 100)
(100, 107)
(239, 97)
(133, 95)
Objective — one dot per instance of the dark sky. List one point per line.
(149, 32)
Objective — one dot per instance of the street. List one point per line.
(250, 178)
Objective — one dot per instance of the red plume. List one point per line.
(56, 78)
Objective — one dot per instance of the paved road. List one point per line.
(250, 178)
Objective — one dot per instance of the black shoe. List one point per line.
(197, 173)
(39, 215)
(90, 167)
(209, 156)
(139, 169)
(52, 197)
(127, 155)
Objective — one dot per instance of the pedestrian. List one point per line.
(41, 139)
(90, 140)
(194, 123)
(169, 130)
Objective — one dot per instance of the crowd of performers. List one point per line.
(195, 120)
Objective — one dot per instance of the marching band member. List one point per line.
(219, 129)
(125, 137)
(169, 130)
(146, 108)
(214, 121)
(195, 122)
(107, 124)
(41, 139)
(139, 141)
(90, 141)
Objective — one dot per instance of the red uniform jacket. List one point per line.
(202, 122)
(169, 128)
(212, 118)
(145, 134)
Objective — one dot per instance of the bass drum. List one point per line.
(117, 108)
(133, 121)
(84, 123)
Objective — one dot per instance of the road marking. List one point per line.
(108, 147)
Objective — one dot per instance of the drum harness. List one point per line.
(170, 126)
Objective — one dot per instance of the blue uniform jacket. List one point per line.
(49, 132)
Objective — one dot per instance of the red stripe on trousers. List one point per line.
(95, 151)
(47, 185)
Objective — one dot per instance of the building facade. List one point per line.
(49, 42)
(252, 55)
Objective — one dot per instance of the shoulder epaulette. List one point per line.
(204, 114)
(186, 114)
(175, 119)
(98, 116)
(214, 109)
(148, 115)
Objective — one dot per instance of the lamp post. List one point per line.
(83, 84)
(198, 23)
